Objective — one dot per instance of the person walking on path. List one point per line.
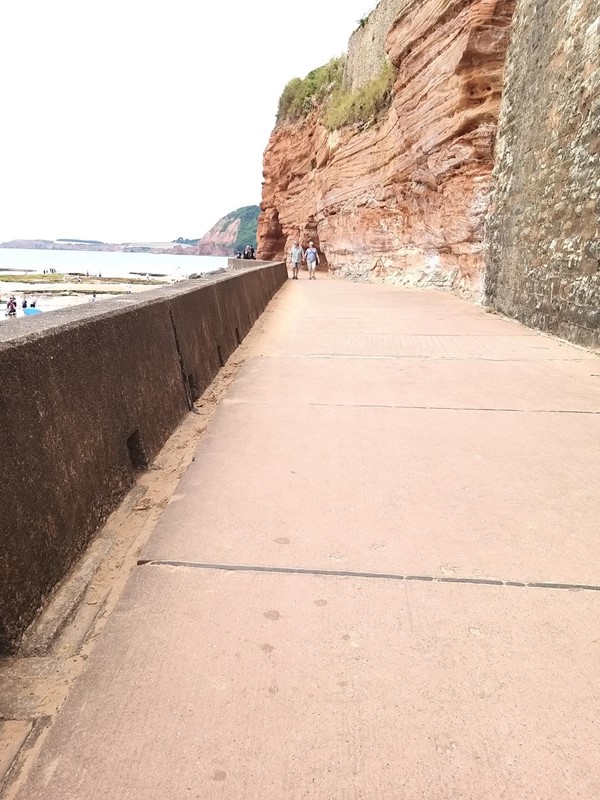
(296, 256)
(312, 260)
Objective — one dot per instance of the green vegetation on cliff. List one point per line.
(322, 90)
(301, 96)
(248, 217)
(350, 108)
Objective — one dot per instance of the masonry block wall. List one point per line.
(543, 237)
(366, 48)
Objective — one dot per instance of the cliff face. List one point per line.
(403, 199)
(234, 231)
(219, 240)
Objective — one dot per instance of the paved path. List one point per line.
(341, 599)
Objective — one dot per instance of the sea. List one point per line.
(154, 268)
(107, 264)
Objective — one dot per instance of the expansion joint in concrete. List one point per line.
(369, 575)
(422, 357)
(187, 389)
(400, 407)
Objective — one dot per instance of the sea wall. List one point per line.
(88, 397)
(542, 232)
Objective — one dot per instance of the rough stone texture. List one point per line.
(76, 386)
(366, 49)
(403, 200)
(543, 265)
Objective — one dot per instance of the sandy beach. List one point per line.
(55, 294)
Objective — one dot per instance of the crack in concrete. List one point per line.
(370, 575)
(234, 401)
(185, 382)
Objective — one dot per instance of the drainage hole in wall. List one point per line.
(220, 354)
(137, 454)
(237, 336)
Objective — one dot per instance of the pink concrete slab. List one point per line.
(455, 347)
(500, 494)
(405, 317)
(215, 686)
(412, 326)
(529, 386)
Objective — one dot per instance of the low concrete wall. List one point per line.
(90, 394)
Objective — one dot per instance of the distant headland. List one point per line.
(232, 232)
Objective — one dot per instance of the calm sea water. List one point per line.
(108, 265)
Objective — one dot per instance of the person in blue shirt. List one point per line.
(312, 260)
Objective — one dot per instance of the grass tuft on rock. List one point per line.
(322, 90)
(303, 95)
(362, 106)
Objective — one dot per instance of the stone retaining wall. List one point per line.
(88, 396)
(366, 48)
(543, 229)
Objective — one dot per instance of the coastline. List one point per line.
(51, 295)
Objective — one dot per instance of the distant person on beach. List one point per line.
(33, 302)
(93, 300)
(24, 303)
(11, 306)
(312, 260)
(238, 253)
(296, 257)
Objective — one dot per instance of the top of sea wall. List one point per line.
(366, 48)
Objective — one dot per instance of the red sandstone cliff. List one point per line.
(232, 232)
(220, 240)
(405, 198)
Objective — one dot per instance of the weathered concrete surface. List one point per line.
(249, 684)
(543, 229)
(88, 395)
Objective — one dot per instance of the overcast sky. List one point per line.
(145, 120)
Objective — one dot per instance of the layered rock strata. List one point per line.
(403, 198)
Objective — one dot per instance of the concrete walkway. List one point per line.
(336, 603)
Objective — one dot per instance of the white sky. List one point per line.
(140, 120)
